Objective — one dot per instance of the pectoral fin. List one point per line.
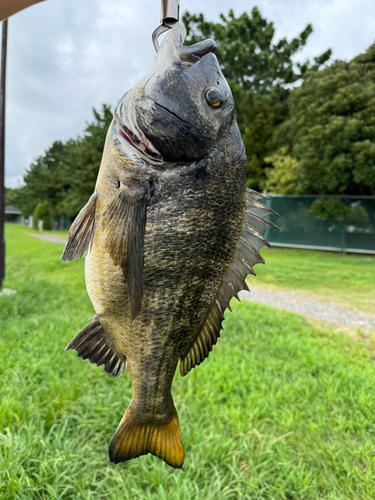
(81, 233)
(125, 223)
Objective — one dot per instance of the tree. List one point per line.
(246, 51)
(10, 196)
(83, 164)
(259, 72)
(64, 177)
(331, 128)
(264, 115)
(282, 177)
(46, 180)
(42, 212)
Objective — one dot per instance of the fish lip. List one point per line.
(176, 116)
(189, 58)
(173, 49)
(185, 122)
(171, 113)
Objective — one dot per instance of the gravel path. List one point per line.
(329, 312)
(48, 237)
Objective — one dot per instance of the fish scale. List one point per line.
(170, 235)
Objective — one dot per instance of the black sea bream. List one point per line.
(170, 233)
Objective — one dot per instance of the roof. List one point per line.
(10, 209)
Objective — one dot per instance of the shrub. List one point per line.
(41, 212)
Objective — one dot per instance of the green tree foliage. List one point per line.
(65, 175)
(331, 128)
(332, 208)
(259, 71)
(282, 177)
(10, 196)
(83, 165)
(46, 179)
(247, 52)
(264, 115)
(324, 208)
(42, 212)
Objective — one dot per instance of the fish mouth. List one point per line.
(191, 54)
(187, 54)
(136, 112)
(147, 145)
(171, 113)
(174, 134)
(173, 51)
(142, 150)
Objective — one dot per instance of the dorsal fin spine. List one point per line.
(253, 250)
(256, 233)
(251, 192)
(246, 255)
(268, 222)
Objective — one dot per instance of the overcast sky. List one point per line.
(67, 56)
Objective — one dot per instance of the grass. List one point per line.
(345, 279)
(280, 410)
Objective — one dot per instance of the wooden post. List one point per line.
(4, 34)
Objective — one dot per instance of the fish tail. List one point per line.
(133, 438)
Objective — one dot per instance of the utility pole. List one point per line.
(4, 33)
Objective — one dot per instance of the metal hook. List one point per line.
(155, 35)
(169, 16)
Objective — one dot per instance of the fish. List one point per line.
(170, 233)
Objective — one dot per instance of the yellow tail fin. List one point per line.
(133, 439)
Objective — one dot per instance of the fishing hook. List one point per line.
(169, 16)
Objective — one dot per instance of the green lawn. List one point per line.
(346, 279)
(280, 410)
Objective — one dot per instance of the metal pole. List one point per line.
(169, 12)
(4, 34)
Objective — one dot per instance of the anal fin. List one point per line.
(90, 344)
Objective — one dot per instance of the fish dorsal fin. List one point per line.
(90, 343)
(81, 233)
(245, 257)
(125, 224)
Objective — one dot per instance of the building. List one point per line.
(14, 215)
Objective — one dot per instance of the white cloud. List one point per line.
(66, 56)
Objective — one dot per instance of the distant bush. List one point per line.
(41, 212)
(282, 177)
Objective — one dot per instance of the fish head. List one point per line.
(182, 107)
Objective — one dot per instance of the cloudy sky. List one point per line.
(67, 56)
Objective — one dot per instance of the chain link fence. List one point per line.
(353, 230)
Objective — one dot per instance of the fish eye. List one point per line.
(213, 97)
